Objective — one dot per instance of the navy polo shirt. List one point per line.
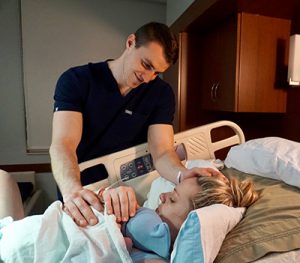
(111, 122)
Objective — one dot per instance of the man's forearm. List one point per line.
(65, 169)
(161, 147)
(168, 165)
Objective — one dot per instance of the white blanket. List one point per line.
(54, 237)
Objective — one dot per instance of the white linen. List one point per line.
(158, 186)
(213, 230)
(54, 237)
(271, 157)
(216, 164)
(202, 234)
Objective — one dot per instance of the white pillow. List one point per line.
(216, 164)
(271, 157)
(158, 186)
(201, 235)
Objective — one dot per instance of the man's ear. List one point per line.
(130, 41)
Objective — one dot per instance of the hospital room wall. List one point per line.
(13, 152)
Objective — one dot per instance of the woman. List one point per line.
(197, 192)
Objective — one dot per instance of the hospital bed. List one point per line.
(276, 233)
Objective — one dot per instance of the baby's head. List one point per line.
(148, 232)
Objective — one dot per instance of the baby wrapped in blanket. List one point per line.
(55, 237)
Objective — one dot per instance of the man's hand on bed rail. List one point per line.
(121, 202)
(196, 171)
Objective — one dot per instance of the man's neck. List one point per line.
(117, 70)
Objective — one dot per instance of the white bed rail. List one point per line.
(197, 143)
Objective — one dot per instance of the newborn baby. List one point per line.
(148, 232)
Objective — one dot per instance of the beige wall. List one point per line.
(175, 8)
(116, 19)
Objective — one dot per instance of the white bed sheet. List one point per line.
(55, 237)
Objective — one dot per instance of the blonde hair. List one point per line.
(233, 192)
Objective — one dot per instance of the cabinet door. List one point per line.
(217, 73)
(245, 61)
(263, 60)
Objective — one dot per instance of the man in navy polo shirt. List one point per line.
(105, 107)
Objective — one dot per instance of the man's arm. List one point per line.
(66, 135)
(161, 146)
(166, 161)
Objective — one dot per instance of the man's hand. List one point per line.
(77, 205)
(121, 202)
(196, 171)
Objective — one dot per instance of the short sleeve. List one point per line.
(165, 106)
(70, 91)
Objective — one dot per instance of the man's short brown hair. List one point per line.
(160, 33)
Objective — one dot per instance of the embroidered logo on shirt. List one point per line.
(128, 112)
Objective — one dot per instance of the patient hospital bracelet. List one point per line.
(179, 177)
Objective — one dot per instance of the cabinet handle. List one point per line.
(212, 92)
(216, 91)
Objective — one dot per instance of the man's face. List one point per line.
(143, 64)
(176, 205)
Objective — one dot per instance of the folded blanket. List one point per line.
(54, 237)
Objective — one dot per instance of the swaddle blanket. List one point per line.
(148, 232)
(55, 237)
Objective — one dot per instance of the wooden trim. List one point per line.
(37, 167)
(182, 80)
(204, 13)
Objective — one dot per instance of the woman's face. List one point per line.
(176, 205)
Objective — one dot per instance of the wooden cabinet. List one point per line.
(242, 64)
(242, 46)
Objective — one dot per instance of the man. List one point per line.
(109, 106)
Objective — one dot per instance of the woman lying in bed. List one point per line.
(148, 230)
